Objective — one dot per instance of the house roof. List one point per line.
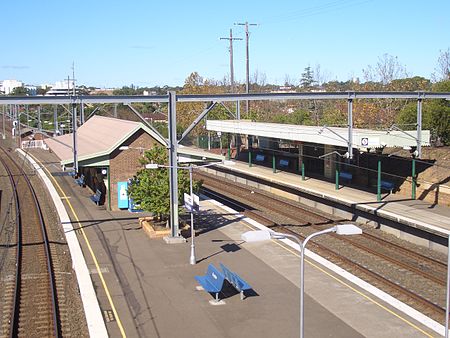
(99, 136)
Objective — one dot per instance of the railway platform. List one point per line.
(147, 288)
(417, 214)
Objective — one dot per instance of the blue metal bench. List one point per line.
(80, 181)
(260, 158)
(233, 278)
(96, 198)
(284, 163)
(212, 281)
(387, 185)
(345, 176)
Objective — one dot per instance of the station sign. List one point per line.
(369, 142)
(191, 204)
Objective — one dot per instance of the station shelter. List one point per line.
(32, 138)
(320, 151)
(108, 152)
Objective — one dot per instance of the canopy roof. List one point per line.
(337, 136)
(99, 136)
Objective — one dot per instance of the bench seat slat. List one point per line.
(80, 180)
(207, 286)
(212, 281)
(238, 283)
(260, 158)
(284, 163)
(345, 175)
(97, 197)
(387, 185)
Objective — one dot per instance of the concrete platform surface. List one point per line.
(146, 288)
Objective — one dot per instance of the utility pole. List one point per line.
(73, 78)
(231, 58)
(247, 79)
(74, 122)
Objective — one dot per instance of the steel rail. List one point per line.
(56, 320)
(325, 220)
(15, 313)
(271, 224)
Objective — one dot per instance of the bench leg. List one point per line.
(217, 296)
(242, 295)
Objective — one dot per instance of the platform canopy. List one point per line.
(336, 136)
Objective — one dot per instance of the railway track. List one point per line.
(410, 276)
(31, 292)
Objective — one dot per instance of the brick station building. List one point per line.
(100, 160)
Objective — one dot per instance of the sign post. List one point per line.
(192, 203)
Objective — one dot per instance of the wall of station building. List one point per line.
(124, 164)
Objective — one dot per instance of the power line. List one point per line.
(231, 58)
(313, 11)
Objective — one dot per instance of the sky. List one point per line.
(115, 43)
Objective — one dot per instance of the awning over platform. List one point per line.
(337, 136)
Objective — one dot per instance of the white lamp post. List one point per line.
(261, 235)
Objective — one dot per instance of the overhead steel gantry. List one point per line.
(172, 98)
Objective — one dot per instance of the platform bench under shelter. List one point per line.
(260, 158)
(386, 185)
(346, 176)
(96, 197)
(284, 163)
(81, 181)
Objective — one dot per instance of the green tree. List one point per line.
(20, 91)
(298, 117)
(128, 91)
(435, 114)
(42, 91)
(307, 79)
(150, 188)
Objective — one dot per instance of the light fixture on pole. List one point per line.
(262, 235)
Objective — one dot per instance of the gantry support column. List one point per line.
(419, 128)
(350, 129)
(173, 174)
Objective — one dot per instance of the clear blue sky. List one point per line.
(115, 43)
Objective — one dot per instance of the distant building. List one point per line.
(7, 86)
(64, 87)
(32, 90)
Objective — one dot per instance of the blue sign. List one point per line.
(122, 195)
(134, 207)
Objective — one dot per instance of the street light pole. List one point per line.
(302, 247)
(261, 235)
(302, 275)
